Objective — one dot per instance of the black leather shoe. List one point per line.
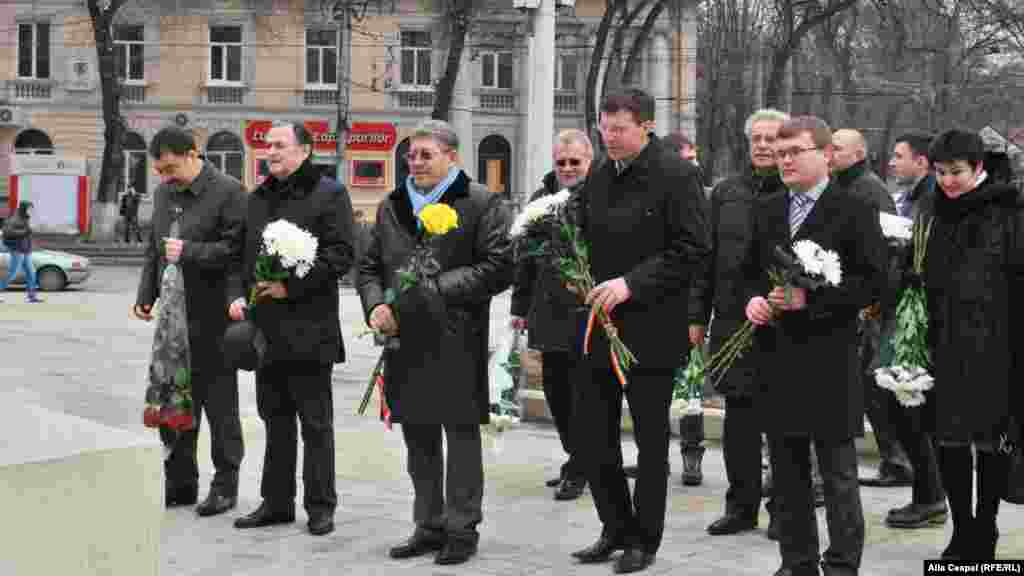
(264, 516)
(216, 503)
(732, 523)
(633, 560)
(455, 551)
(421, 542)
(553, 482)
(917, 515)
(692, 458)
(570, 489)
(181, 495)
(887, 480)
(320, 524)
(600, 551)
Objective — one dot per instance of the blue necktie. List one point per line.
(800, 205)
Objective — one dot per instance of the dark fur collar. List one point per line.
(299, 184)
(403, 207)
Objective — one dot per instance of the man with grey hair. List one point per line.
(542, 303)
(437, 374)
(721, 290)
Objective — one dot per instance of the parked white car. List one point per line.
(54, 270)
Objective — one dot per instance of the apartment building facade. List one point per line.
(226, 69)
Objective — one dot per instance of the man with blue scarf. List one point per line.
(436, 377)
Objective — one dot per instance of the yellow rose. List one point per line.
(439, 219)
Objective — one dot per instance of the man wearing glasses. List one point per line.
(299, 318)
(541, 303)
(809, 389)
(210, 209)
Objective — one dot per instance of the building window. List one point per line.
(135, 172)
(497, 69)
(34, 50)
(224, 150)
(565, 73)
(129, 53)
(415, 58)
(321, 57)
(33, 141)
(226, 53)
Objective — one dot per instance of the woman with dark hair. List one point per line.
(973, 267)
(18, 240)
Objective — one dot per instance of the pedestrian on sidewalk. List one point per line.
(300, 321)
(17, 236)
(436, 378)
(551, 313)
(643, 215)
(130, 215)
(212, 209)
(974, 267)
(809, 389)
(915, 199)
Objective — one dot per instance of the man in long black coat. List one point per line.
(210, 208)
(853, 176)
(722, 290)
(810, 389)
(436, 378)
(643, 214)
(299, 319)
(542, 304)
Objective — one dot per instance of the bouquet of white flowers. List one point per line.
(286, 249)
(906, 371)
(808, 266)
(544, 229)
(688, 385)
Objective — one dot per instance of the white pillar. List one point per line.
(540, 118)
(462, 115)
(661, 84)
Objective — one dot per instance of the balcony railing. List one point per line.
(566, 102)
(31, 89)
(134, 93)
(320, 97)
(414, 99)
(497, 101)
(225, 94)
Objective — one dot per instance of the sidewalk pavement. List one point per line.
(524, 532)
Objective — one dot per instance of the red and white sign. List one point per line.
(58, 188)
(362, 135)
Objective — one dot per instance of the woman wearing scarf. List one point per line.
(436, 378)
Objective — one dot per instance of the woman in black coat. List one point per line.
(973, 268)
(17, 236)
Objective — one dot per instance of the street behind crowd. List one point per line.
(81, 353)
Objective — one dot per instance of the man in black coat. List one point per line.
(542, 304)
(721, 290)
(643, 215)
(916, 198)
(853, 176)
(299, 319)
(436, 377)
(210, 208)
(808, 379)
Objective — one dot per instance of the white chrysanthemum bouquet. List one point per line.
(286, 249)
(545, 230)
(905, 357)
(807, 266)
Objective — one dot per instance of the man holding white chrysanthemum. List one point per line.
(552, 314)
(809, 389)
(438, 253)
(303, 219)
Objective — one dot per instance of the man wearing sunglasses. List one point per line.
(542, 303)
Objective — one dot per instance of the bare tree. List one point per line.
(102, 13)
(458, 17)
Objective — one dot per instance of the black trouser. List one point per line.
(559, 372)
(741, 450)
(214, 393)
(878, 407)
(598, 419)
(129, 225)
(283, 391)
(448, 491)
(794, 504)
(921, 451)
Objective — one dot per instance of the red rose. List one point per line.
(151, 416)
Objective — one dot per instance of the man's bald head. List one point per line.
(850, 147)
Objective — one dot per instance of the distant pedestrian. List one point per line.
(130, 215)
(18, 240)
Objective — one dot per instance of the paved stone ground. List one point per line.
(80, 353)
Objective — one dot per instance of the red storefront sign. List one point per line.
(362, 136)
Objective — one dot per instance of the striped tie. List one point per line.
(800, 205)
